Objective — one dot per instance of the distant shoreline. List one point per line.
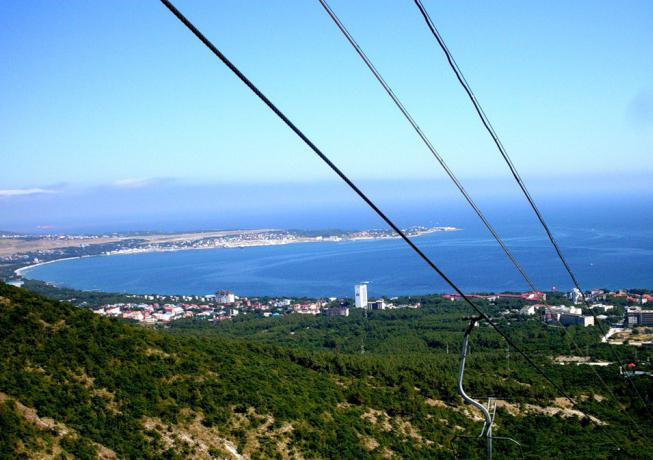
(20, 272)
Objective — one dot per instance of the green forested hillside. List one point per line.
(76, 385)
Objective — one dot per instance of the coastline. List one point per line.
(255, 243)
(19, 271)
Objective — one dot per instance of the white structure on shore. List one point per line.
(571, 319)
(575, 296)
(338, 311)
(360, 295)
(225, 297)
(529, 310)
(376, 305)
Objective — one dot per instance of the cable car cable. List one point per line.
(355, 188)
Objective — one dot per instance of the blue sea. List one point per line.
(603, 254)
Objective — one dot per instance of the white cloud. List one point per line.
(135, 182)
(24, 191)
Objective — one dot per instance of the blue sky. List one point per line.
(103, 97)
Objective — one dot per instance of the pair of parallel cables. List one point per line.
(435, 153)
(461, 188)
(513, 170)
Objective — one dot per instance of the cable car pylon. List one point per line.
(488, 412)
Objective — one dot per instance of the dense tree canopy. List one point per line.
(298, 385)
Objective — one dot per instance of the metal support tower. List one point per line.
(488, 412)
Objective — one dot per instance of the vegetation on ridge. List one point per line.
(77, 385)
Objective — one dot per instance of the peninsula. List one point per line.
(20, 251)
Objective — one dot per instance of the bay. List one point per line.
(601, 257)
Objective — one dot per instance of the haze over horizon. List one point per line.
(115, 117)
(168, 206)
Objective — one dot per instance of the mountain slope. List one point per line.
(141, 393)
(82, 386)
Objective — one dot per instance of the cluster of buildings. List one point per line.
(258, 238)
(635, 316)
(536, 296)
(52, 236)
(597, 295)
(641, 299)
(569, 315)
(154, 312)
(565, 315)
(198, 241)
(224, 305)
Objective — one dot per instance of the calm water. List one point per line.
(601, 258)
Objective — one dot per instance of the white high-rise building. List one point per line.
(360, 295)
